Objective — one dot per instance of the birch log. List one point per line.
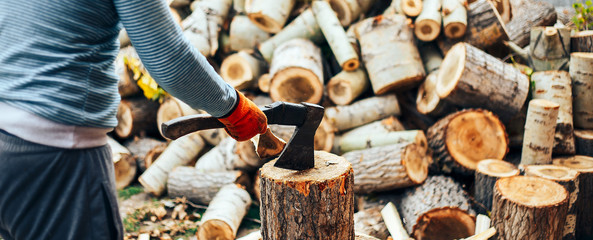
(224, 214)
(195, 29)
(314, 204)
(487, 173)
(389, 167)
(431, 57)
(264, 82)
(379, 133)
(528, 14)
(410, 8)
(394, 222)
(244, 34)
(503, 8)
(124, 164)
(304, 26)
(584, 165)
(428, 23)
(362, 112)
(454, 18)
(368, 221)
(470, 77)
(540, 126)
(349, 11)
(136, 116)
(297, 72)
(583, 142)
(126, 86)
(549, 48)
(201, 187)
(582, 41)
(437, 209)
(581, 72)
(568, 178)
(269, 15)
(462, 139)
(382, 37)
(139, 147)
(347, 86)
(555, 86)
(153, 155)
(335, 35)
(324, 136)
(241, 70)
(544, 201)
(428, 101)
(178, 153)
(216, 13)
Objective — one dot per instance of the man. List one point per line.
(58, 99)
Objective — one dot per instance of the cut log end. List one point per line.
(296, 85)
(455, 30)
(551, 172)
(327, 167)
(351, 65)
(265, 23)
(264, 82)
(411, 8)
(428, 100)
(445, 223)
(215, 230)
(236, 71)
(414, 158)
(532, 191)
(427, 30)
(497, 168)
(125, 121)
(342, 11)
(578, 162)
(340, 91)
(451, 70)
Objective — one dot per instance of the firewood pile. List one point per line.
(461, 119)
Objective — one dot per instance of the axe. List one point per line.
(297, 154)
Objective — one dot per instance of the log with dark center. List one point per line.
(136, 116)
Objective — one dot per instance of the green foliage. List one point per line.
(583, 19)
(129, 191)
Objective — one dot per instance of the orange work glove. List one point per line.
(245, 121)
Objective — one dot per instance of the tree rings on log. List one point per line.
(224, 214)
(124, 164)
(269, 15)
(487, 172)
(317, 203)
(581, 72)
(136, 116)
(241, 70)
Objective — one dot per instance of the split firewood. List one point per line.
(349, 11)
(126, 85)
(528, 14)
(540, 126)
(379, 43)
(389, 167)
(369, 221)
(379, 133)
(427, 25)
(487, 173)
(454, 18)
(304, 26)
(485, 29)
(545, 201)
(269, 15)
(549, 48)
(568, 178)
(195, 29)
(482, 223)
(297, 72)
(124, 164)
(362, 112)
(462, 139)
(582, 41)
(224, 214)
(139, 147)
(437, 209)
(241, 70)
(410, 8)
(347, 86)
(335, 35)
(394, 222)
(199, 186)
(136, 116)
(428, 101)
(216, 12)
(323, 195)
(583, 142)
(469, 77)
(581, 72)
(264, 82)
(584, 165)
(244, 34)
(179, 152)
(555, 86)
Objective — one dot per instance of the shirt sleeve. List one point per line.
(171, 60)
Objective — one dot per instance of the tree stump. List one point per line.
(224, 214)
(201, 187)
(428, 23)
(556, 86)
(540, 126)
(335, 35)
(581, 72)
(528, 14)
(438, 209)
(454, 18)
(549, 48)
(369, 221)
(136, 116)
(529, 208)
(584, 165)
(269, 15)
(584, 142)
(244, 34)
(470, 77)
(464, 138)
(346, 86)
(568, 178)
(362, 112)
(389, 167)
(241, 70)
(487, 173)
(392, 60)
(316, 203)
(297, 72)
(582, 41)
(124, 164)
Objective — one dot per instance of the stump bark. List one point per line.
(470, 77)
(487, 173)
(224, 214)
(428, 23)
(581, 72)
(568, 178)
(582, 42)
(529, 208)
(362, 112)
(244, 34)
(584, 142)
(201, 187)
(464, 138)
(136, 116)
(528, 14)
(584, 165)
(316, 203)
(549, 48)
(269, 15)
(540, 125)
(124, 164)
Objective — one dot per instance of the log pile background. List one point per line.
(416, 94)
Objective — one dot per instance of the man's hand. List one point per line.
(245, 121)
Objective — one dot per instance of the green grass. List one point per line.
(129, 191)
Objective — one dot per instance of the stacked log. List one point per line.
(410, 8)
(244, 34)
(369, 221)
(487, 173)
(584, 165)
(269, 15)
(223, 216)
(136, 116)
(201, 187)
(527, 14)
(584, 142)
(540, 126)
(368, 136)
(582, 41)
(381, 127)
(140, 147)
(349, 11)
(428, 23)
(335, 35)
(581, 72)
(362, 112)
(241, 70)
(124, 164)
(454, 18)
(346, 86)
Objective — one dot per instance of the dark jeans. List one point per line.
(54, 193)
